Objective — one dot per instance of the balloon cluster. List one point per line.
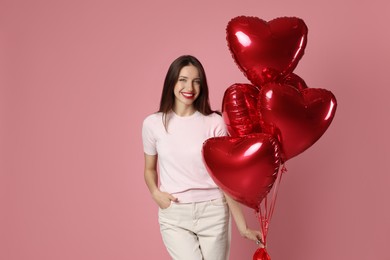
(269, 121)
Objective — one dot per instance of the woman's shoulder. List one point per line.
(215, 116)
(216, 122)
(154, 115)
(153, 118)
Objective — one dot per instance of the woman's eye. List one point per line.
(197, 82)
(182, 80)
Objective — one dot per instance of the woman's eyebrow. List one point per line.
(185, 77)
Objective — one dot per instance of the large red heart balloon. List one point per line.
(239, 109)
(297, 118)
(266, 51)
(244, 167)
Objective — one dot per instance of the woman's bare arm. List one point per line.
(240, 221)
(163, 199)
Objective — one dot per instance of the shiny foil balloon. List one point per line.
(244, 167)
(239, 109)
(295, 81)
(297, 118)
(266, 51)
(261, 254)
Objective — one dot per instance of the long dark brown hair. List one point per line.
(201, 104)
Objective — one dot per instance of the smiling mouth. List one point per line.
(188, 95)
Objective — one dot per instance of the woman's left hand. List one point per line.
(254, 235)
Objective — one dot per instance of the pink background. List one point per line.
(78, 77)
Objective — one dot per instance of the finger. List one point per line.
(253, 237)
(172, 198)
(259, 235)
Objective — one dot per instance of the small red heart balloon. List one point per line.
(244, 167)
(261, 254)
(266, 51)
(297, 118)
(239, 109)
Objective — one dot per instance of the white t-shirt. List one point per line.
(180, 162)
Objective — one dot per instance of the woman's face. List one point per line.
(187, 87)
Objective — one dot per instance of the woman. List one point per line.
(193, 212)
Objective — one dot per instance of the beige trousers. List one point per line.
(196, 231)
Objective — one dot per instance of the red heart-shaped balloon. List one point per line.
(244, 167)
(297, 118)
(295, 81)
(239, 109)
(266, 51)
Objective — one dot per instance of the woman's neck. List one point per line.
(184, 110)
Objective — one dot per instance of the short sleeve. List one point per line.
(148, 138)
(220, 129)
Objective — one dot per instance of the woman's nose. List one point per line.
(189, 85)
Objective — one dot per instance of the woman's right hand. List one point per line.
(163, 199)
